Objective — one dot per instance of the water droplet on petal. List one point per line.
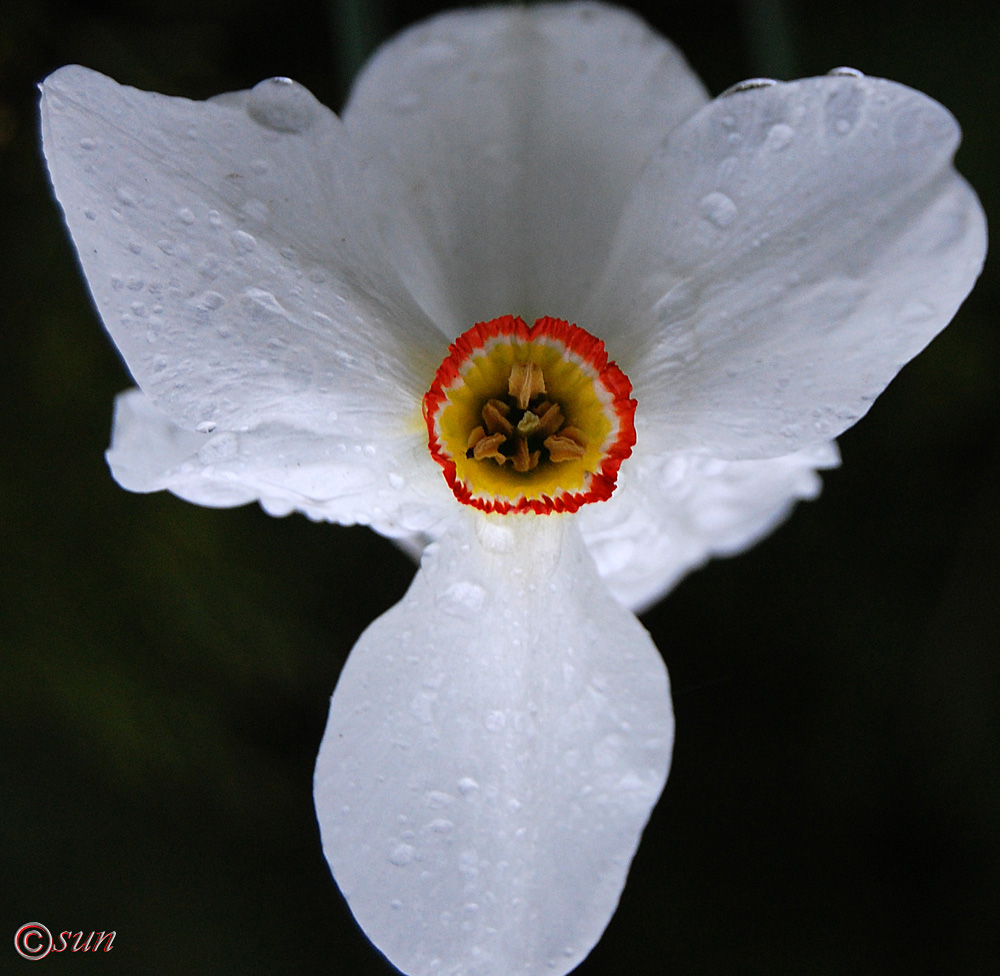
(282, 105)
(718, 209)
(495, 721)
(467, 786)
(494, 537)
(186, 216)
(396, 480)
(749, 85)
(461, 599)
(843, 107)
(242, 241)
(402, 855)
(845, 72)
(126, 195)
(779, 136)
(88, 144)
(436, 51)
(256, 210)
(210, 301)
(406, 103)
(206, 427)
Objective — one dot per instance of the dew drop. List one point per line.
(749, 85)
(282, 105)
(422, 706)
(88, 144)
(843, 107)
(210, 301)
(462, 599)
(467, 786)
(494, 537)
(206, 427)
(916, 311)
(406, 103)
(718, 209)
(435, 51)
(845, 72)
(126, 195)
(396, 480)
(495, 721)
(186, 216)
(214, 218)
(256, 210)
(779, 136)
(402, 855)
(242, 241)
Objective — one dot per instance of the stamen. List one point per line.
(489, 447)
(526, 381)
(568, 445)
(550, 418)
(523, 459)
(475, 437)
(495, 417)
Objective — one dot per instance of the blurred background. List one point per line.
(165, 670)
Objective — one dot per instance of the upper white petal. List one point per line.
(788, 252)
(503, 143)
(228, 247)
(495, 745)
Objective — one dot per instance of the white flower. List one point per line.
(284, 286)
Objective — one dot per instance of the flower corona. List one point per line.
(529, 419)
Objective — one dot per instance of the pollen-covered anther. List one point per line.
(529, 420)
(526, 380)
(567, 445)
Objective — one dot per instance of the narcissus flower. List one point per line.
(535, 307)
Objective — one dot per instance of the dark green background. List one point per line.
(835, 800)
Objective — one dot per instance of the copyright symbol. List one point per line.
(33, 941)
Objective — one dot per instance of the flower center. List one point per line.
(529, 419)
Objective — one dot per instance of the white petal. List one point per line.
(495, 745)
(669, 515)
(226, 246)
(504, 142)
(393, 487)
(791, 249)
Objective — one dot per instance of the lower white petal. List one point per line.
(495, 746)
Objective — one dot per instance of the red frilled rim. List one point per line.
(589, 353)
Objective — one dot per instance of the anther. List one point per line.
(526, 381)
